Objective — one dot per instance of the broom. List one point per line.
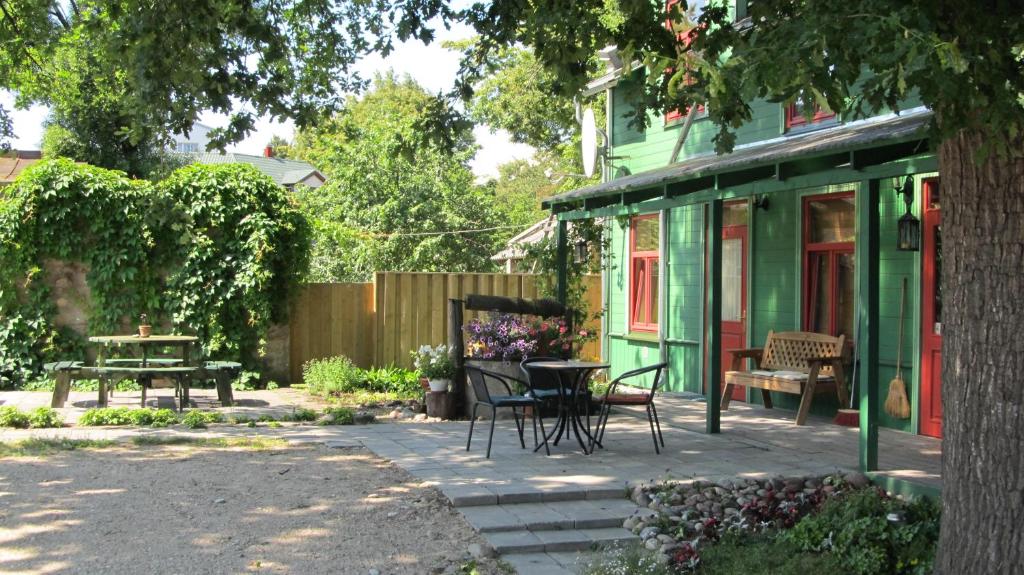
(851, 417)
(896, 403)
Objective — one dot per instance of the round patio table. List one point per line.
(183, 341)
(577, 372)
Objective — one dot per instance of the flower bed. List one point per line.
(837, 517)
(509, 337)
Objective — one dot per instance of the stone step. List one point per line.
(477, 495)
(555, 515)
(554, 563)
(557, 540)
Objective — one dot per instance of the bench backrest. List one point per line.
(789, 350)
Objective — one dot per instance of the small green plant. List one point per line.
(303, 414)
(265, 418)
(339, 416)
(107, 416)
(745, 553)
(37, 447)
(43, 417)
(11, 416)
(274, 424)
(240, 420)
(247, 381)
(196, 419)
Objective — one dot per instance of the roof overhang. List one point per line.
(857, 144)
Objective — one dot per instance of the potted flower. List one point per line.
(145, 330)
(435, 364)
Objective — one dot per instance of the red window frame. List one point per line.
(812, 251)
(640, 283)
(796, 119)
(687, 38)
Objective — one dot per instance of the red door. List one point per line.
(931, 312)
(734, 288)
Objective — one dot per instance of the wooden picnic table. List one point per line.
(105, 341)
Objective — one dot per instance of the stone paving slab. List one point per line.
(536, 564)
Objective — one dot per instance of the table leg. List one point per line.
(101, 361)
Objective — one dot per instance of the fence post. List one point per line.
(457, 350)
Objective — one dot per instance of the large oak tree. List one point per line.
(964, 61)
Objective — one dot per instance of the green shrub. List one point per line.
(107, 416)
(395, 380)
(266, 418)
(871, 533)
(10, 416)
(43, 417)
(338, 375)
(303, 414)
(339, 416)
(196, 419)
(332, 376)
(240, 420)
(247, 381)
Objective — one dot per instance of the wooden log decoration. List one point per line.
(539, 307)
(440, 404)
(457, 351)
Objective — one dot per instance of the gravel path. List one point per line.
(186, 509)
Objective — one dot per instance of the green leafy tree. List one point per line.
(178, 58)
(393, 197)
(860, 57)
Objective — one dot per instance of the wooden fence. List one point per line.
(377, 324)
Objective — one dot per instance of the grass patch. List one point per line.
(41, 447)
(252, 443)
(743, 554)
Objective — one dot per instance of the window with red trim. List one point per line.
(643, 273)
(795, 115)
(693, 11)
(829, 228)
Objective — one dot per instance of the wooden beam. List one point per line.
(712, 378)
(562, 261)
(792, 169)
(743, 177)
(861, 159)
(689, 186)
(867, 266)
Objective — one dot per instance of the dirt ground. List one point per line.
(191, 509)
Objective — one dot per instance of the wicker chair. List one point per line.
(478, 378)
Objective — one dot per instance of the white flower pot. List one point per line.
(439, 384)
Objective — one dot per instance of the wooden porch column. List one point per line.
(867, 266)
(562, 262)
(713, 338)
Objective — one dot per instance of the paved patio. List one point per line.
(541, 511)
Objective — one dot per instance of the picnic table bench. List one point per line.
(797, 362)
(143, 371)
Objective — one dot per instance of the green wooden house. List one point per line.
(795, 230)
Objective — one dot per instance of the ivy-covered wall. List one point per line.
(211, 250)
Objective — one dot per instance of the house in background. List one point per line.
(14, 162)
(806, 224)
(287, 173)
(195, 141)
(511, 257)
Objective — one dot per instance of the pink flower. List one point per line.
(565, 346)
(561, 329)
(583, 333)
(544, 326)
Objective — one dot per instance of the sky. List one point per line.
(432, 66)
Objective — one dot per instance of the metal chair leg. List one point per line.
(538, 418)
(472, 420)
(520, 427)
(490, 438)
(657, 424)
(606, 412)
(650, 419)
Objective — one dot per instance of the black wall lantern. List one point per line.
(580, 251)
(909, 227)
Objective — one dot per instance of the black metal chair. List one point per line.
(545, 385)
(478, 378)
(645, 399)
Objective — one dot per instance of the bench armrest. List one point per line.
(738, 355)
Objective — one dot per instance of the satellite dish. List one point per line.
(589, 142)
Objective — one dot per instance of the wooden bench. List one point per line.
(62, 372)
(797, 362)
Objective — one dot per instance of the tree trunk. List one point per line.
(982, 359)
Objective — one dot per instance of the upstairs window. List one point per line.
(694, 8)
(643, 273)
(795, 116)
